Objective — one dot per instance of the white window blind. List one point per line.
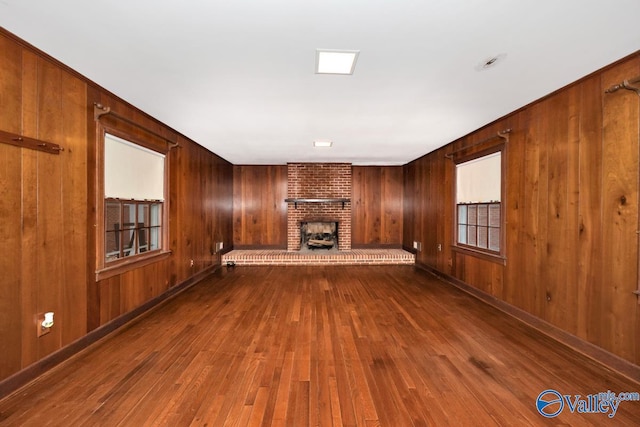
(132, 171)
(479, 180)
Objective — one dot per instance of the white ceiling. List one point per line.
(238, 76)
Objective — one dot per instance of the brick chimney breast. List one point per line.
(319, 181)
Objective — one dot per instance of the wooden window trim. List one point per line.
(462, 157)
(131, 263)
(103, 269)
(479, 253)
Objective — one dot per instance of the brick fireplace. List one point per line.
(317, 181)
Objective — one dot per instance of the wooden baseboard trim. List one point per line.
(259, 247)
(375, 246)
(410, 249)
(598, 354)
(11, 384)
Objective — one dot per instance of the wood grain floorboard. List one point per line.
(318, 346)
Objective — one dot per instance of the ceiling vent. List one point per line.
(491, 62)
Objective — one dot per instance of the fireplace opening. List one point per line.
(319, 235)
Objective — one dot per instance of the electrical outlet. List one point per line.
(191, 263)
(439, 247)
(417, 246)
(219, 246)
(41, 330)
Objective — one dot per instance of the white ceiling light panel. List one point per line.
(322, 143)
(329, 61)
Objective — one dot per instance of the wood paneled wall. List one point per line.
(376, 200)
(571, 212)
(43, 207)
(47, 210)
(259, 209)
(260, 213)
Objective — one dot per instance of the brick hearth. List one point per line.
(352, 257)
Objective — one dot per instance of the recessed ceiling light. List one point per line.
(322, 143)
(330, 61)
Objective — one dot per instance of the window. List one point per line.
(132, 227)
(479, 225)
(134, 178)
(478, 207)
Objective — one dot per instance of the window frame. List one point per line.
(106, 269)
(480, 252)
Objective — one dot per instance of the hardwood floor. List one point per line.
(318, 346)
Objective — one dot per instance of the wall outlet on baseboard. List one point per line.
(44, 324)
(417, 246)
(219, 246)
